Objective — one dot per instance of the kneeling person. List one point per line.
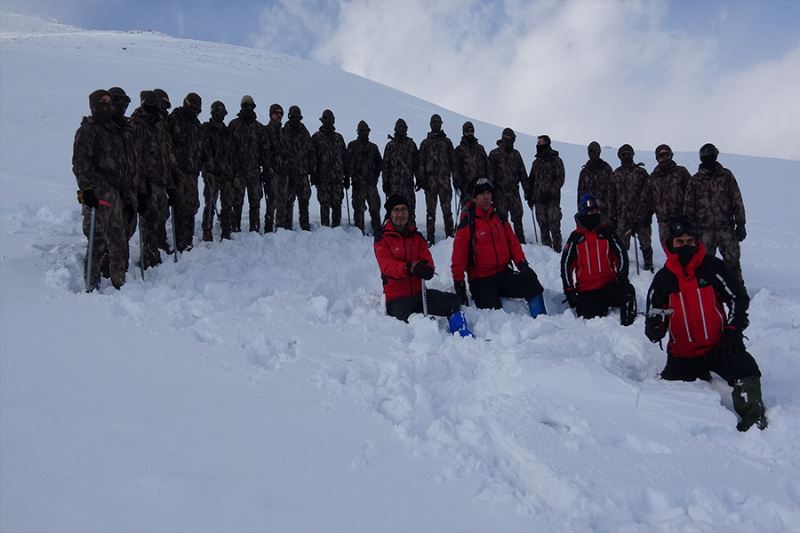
(404, 260)
(484, 247)
(687, 298)
(594, 267)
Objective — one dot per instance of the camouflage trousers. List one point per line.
(548, 216)
(438, 189)
(300, 189)
(230, 213)
(366, 194)
(187, 204)
(407, 192)
(152, 225)
(110, 237)
(211, 194)
(330, 193)
(251, 183)
(508, 204)
(277, 191)
(724, 239)
(644, 234)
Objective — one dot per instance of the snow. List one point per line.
(257, 384)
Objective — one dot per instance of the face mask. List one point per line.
(218, 116)
(708, 161)
(590, 221)
(436, 127)
(508, 143)
(102, 113)
(363, 135)
(541, 149)
(247, 114)
(400, 132)
(685, 254)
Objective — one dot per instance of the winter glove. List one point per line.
(346, 183)
(731, 343)
(741, 232)
(422, 269)
(655, 328)
(461, 291)
(171, 197)
(525, 269)
(572, 297)
(88, 198)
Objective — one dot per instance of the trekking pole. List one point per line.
(90, 250)
(141, 250)
(424, 299)
(636, 250)
(174, 235)
(347, 203)
(535, 231)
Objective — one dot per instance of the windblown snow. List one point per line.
(257, 384)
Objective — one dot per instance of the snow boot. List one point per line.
(648, 259)
(536, 305)
(748, 404)
(458, 324)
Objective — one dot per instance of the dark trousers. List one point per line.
(439, 304)
(486, 292)
(596, 303)
(740, 365)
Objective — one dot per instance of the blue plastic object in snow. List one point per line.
(536, 306)
(458, 324)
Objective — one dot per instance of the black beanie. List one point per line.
(393, 201)
(275, 107)
(625, 148)
(467, 126)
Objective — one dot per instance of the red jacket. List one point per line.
(484, 245)
(593, 258)
(395, 253)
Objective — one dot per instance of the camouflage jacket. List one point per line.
(329, 152)
(713, 199)
(363, 162)
(102, 155)
(299, 152)
(545, 180)
(275, 149)
(506, 169)
(186, 133)
(217, 155)
(625, 192)
(664, 192)
(595, 178)
(400, 158)
(156, 161)
(435, 158)
(470, 162)
(249, 148)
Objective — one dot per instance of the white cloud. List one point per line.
(578, 70)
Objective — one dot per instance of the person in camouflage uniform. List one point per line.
(507, 171)
(435, 170)
(714, 201)
(248, 155)
(328, 178)
(595, 176)
(624, 195)
(470, 163)
(102, 168)
(155, 168)
(543, 190)
(278, 185)
(362, 168)
(217, 167)
(400, 163)
(298, 164)
(119, 103)
(664, 191)
(186, 133)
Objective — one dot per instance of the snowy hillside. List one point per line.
(258, 386)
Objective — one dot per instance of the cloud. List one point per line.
(577, 70)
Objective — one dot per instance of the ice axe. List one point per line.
(424, 299)
(90, 247)
(533, 219)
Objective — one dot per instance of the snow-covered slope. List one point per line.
(257, 384)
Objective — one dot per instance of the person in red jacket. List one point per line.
(594, 267)
(687, 298)
(484, 247)
(405, 261)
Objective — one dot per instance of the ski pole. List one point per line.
(174, 235)
(535, 231)
(424, 299)
(636, 251)
(141, 250)
(90, 250)
(347, 203)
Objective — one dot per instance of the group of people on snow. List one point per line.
(144, 169)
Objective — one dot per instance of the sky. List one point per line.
(640, 72)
